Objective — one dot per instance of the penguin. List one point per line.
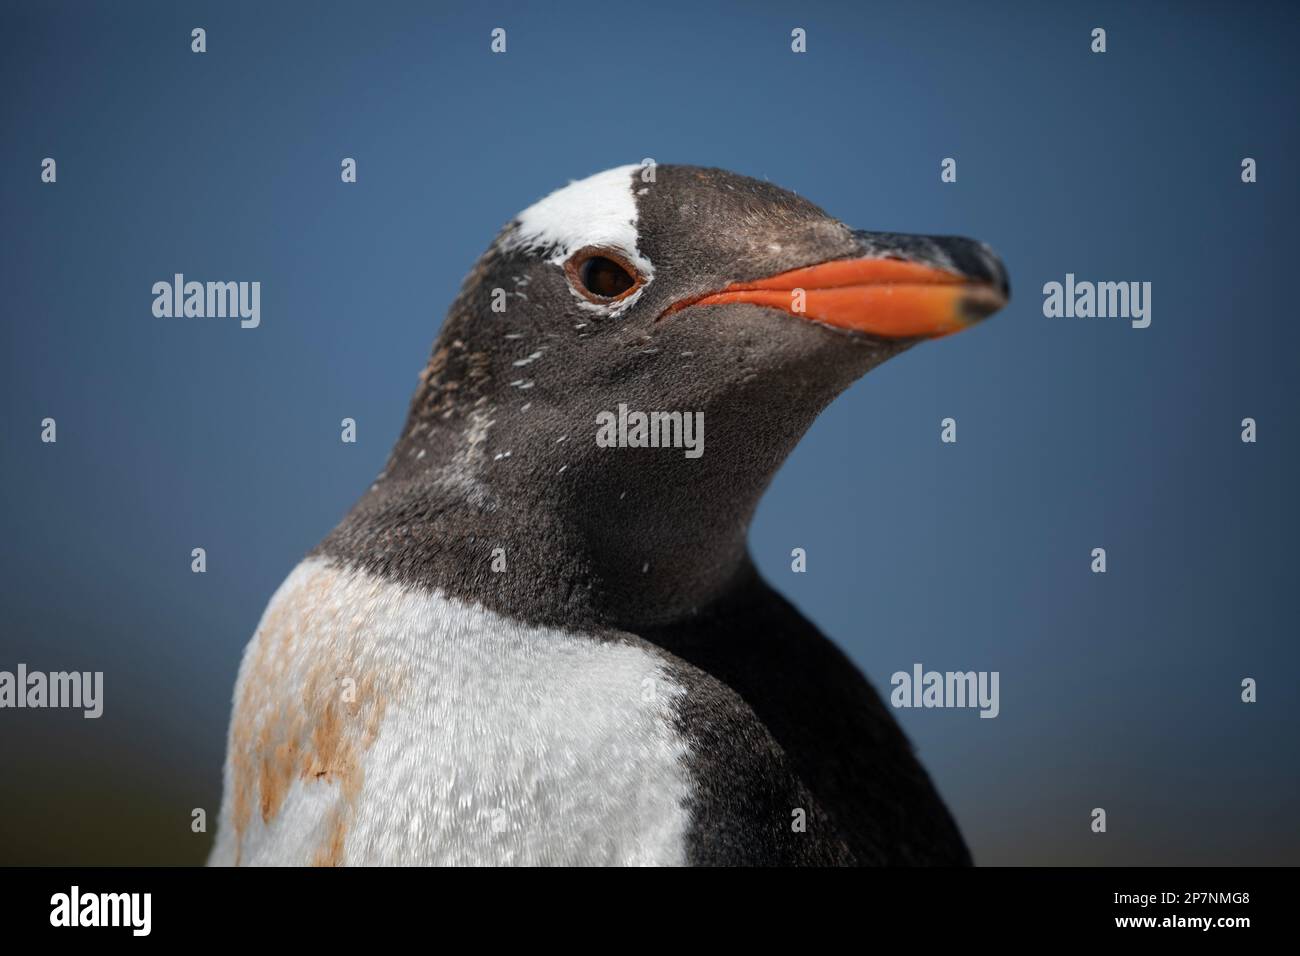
(525, 646)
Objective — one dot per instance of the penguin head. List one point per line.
(679, 288)
(668, 289)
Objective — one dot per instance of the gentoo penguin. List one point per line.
(525, 645)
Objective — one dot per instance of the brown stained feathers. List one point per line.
(458, 375)
(453, 381)
(309, 705)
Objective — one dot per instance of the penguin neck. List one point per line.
(504, 516)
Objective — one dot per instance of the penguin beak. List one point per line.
(900, 287)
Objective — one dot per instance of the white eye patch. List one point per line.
(597, 211)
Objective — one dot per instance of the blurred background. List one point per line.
(1118, 690)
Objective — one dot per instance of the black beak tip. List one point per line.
(981, 301)
(980, 264)
(995, 273)
(973, 260)
(990, 286)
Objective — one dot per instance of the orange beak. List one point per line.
(882, 297)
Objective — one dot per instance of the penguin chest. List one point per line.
(379, 724)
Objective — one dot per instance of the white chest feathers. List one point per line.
(379, 725)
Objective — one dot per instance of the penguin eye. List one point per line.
(602, 275)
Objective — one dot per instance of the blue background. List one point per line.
(1118, 690)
